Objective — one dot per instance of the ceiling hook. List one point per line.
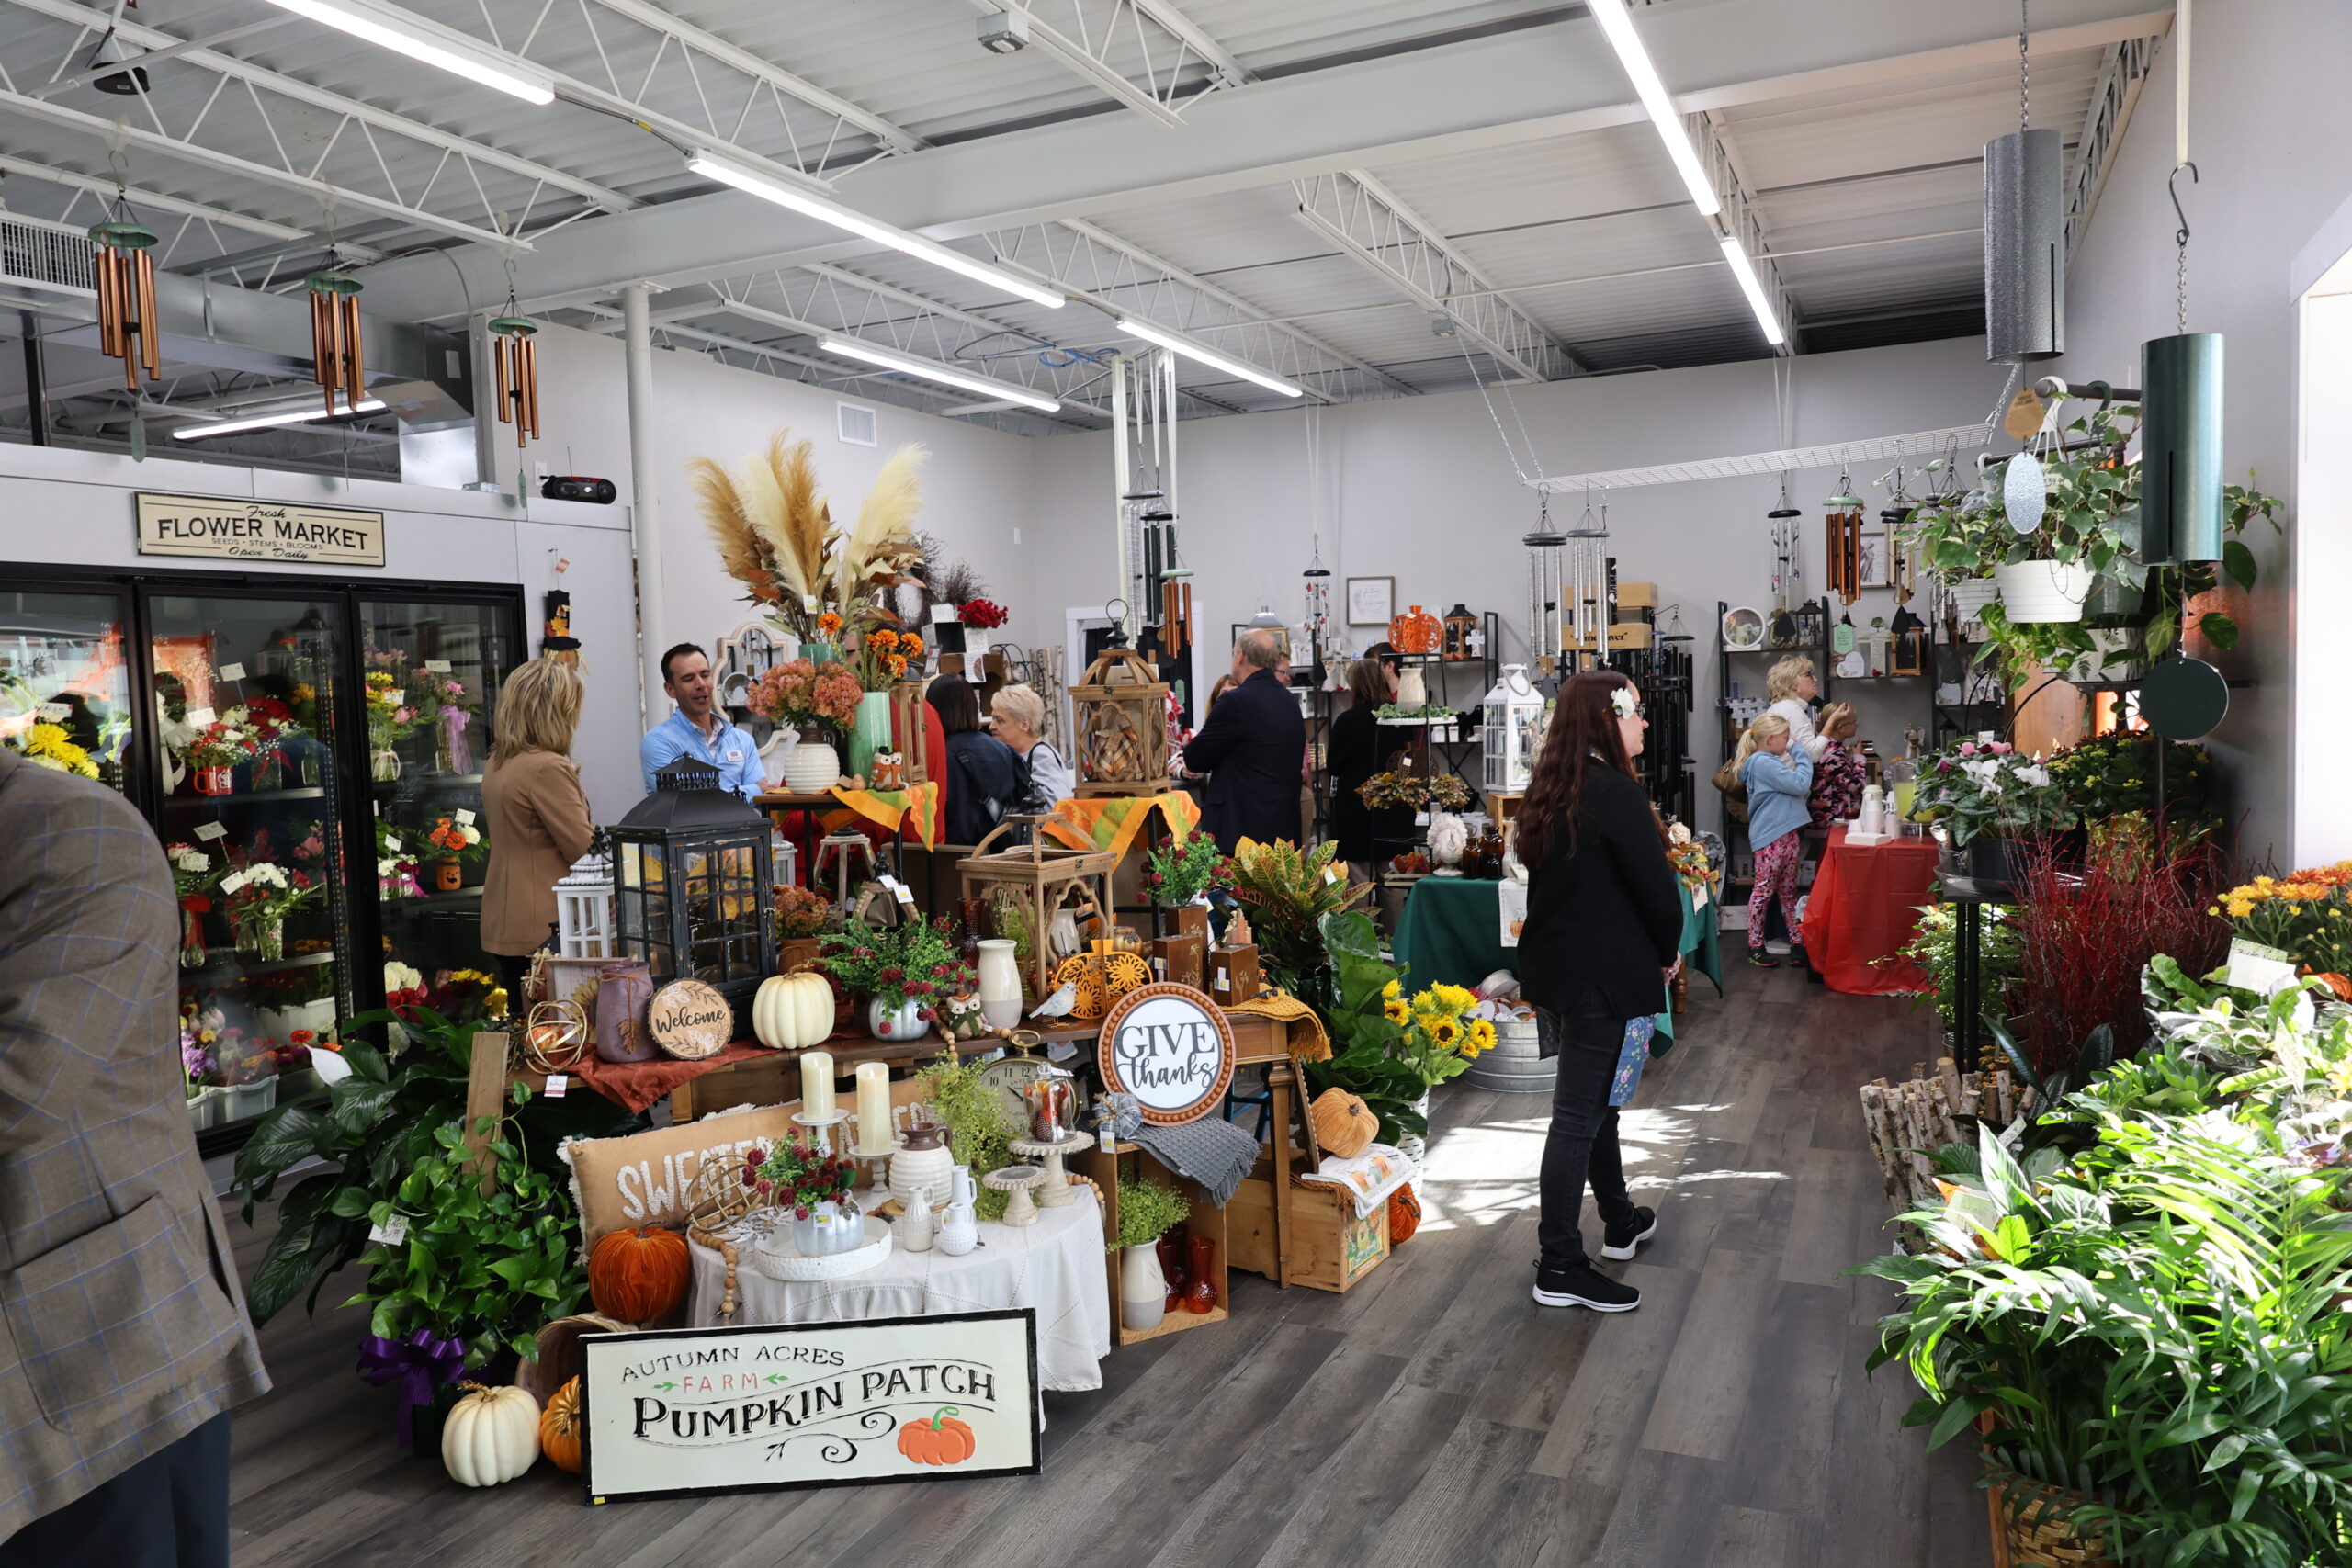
(2181, 238)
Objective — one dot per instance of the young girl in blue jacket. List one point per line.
(1778, 777)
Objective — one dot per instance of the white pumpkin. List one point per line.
(492, 1436)
(790, 1012)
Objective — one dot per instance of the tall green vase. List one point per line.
(869, 732)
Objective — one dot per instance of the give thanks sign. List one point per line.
(683, 1412)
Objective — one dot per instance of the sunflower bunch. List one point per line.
(1442, 1015)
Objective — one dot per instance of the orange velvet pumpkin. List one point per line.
(559, 1429)
(937, 1440)
(1404, 1215)
(640, 1275)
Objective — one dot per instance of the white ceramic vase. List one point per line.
(959, 1229)
(2043, 591)
(913, 1233)
(930, 1172)
(1412, 688)
(1143, 1289)
(999, 983)
(811, 767)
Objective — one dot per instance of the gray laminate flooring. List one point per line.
(1432, 1415)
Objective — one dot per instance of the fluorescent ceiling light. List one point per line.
(1753, 287)
(932, 370)
(717, 166)
(419, 39)
(264, 421)
(1176, 343)
(1618, 27)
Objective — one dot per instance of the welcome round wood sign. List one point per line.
(690, 1020)
(1171, 1047)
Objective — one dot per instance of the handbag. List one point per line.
(1735, 793)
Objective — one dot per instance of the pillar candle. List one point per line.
(817, 1084)
(873, 1105)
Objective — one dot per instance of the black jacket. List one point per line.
(985, 781)
(1604, 920)
(1358, 746)
(1251, 745)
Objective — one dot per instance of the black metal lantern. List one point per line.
(690, 886)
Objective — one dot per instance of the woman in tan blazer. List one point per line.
(536, 815)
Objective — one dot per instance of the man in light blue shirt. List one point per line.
(698, 729)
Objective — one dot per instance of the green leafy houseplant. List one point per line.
(977, 1134)
(1934, 948)
(375, 1129)
(1388, 1063)
(1289, 896)
(1989, 789)
(1148, 1211)
(1181, 870)
(2116, 772)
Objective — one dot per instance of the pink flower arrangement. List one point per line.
(1989, 749)
(804, 694)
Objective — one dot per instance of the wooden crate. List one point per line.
(1207, 1220)
(1330, 1248)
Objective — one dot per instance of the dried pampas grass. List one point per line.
(884, 541)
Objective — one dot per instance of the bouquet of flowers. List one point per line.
(199, 1030)
(1989, 789)
(1688, 858)
(455, 840)
(260, 897)
(395, 864)
(228, 741)
(390, 715)
(403, 986)
(2301, 916)
(193, 872)
(983, 614)
(884, 655)
(800, 911)
(465, 995)
(805, 695)
(1180, 870)
(46, 745)
(915, 962)
(792, 1175)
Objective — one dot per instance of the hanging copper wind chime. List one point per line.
(516, 359)
(1845, 522)
(334, 337)
(128, 327)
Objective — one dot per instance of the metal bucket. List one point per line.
(1512, 1067)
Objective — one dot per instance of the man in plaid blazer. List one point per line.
(126, 1341)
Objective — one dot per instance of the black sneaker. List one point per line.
(1624, 1244)
(1581, 1287)
(1760, 959)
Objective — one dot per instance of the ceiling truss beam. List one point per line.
(156, 200)
(1083, 35)
(2114, 96)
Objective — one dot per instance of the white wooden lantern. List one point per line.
(1510, 731)
(583, 909)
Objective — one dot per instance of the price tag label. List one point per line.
(210, 830)
(437, 666)
(2255, 967)
(392, 841)
(56, 713)
(465, 818)
(234, 880)
(558, 1085)
(390, 1235)
(233, 671)
(898, 891)
(396, 697)
(201, 717)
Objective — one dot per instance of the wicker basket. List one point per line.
(558, 1359)
(2030, 1529)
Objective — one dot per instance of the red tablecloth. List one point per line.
(633, 1086)
(1865, 905)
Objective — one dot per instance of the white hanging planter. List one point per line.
(2043, 591)
(1971, 595)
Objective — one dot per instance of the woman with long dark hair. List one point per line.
(1604, 923)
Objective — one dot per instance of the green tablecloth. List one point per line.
(1451, 931)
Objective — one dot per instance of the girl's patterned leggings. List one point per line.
(1776, 878)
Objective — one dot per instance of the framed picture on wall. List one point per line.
(1372, 601)
(1876, 560)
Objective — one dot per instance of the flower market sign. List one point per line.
(259, 530)
(683, 1412)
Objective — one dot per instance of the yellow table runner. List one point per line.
(1110, 822)
(887, 809)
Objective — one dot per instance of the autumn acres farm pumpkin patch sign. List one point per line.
(682, 1412)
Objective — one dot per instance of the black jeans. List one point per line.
(1582, 1145)
(170, 1510)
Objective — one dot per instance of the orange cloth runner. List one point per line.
(889, 808)
(1110, 822)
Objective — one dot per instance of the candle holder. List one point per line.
(1054, 1190)
(1016, 1179)
(823, 1127)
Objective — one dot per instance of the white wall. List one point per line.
(1423, 493)
(2272, 134)
(70, 508)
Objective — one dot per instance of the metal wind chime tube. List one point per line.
(1544, 588)
(516, 359)
(128, 327)
(2025, 234)
(334, 337)
(1587, 585)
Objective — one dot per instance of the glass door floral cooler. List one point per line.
(310, 756)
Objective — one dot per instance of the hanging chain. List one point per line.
(2024, 79)
(2180, 243)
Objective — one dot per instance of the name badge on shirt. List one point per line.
(734, 753)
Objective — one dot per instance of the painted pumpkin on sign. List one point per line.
(640, 1275)
(938, 1440)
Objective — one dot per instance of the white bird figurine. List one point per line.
(1059, 1003)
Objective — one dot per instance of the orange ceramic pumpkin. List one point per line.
(938, 1440)
(1404, 1215)
(559, 1429)
(1416, 631)
(640, 1275)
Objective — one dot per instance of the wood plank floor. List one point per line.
(1434, 1415)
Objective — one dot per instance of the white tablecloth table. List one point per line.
(1055, 1266)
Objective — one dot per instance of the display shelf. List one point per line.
(183, 803)
(218, 973)
(1174, 1323)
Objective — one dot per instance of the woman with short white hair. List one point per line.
(1019, 716)
(1792, 686)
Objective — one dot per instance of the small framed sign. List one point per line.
(690, 1020)
(689, 1412)
(1171, 1047)
(1372, 601)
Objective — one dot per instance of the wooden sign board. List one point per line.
(690, 1020)
(1171, 1047)
(259, 530)
(683, 1413)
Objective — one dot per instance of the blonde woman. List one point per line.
(1018, 715)
(1778, 777)
(532, 813)
(1792, 686)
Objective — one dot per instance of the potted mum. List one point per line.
(1984, 794)
(818, 701)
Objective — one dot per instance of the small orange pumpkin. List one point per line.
(1404, 1215)
(1343, 1124)
(640, 1275)
(938, 1440)
(561, 1426)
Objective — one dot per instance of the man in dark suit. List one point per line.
(123, 1310)
(1250, 748)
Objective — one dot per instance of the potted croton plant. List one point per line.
(1984, 795)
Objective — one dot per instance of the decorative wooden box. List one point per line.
(1330, 1248)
